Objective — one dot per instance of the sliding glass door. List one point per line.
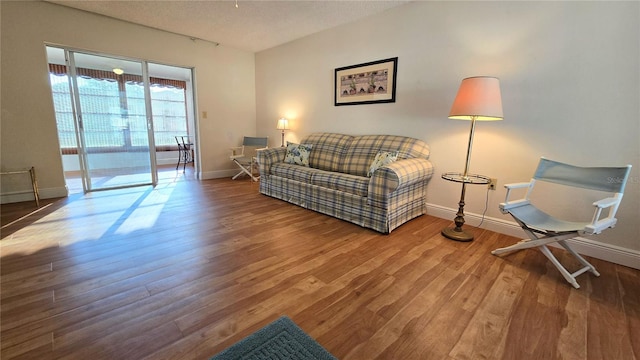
(118, 119)
(114, 131)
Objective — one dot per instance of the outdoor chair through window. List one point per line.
(185, 151)
(245, 156)
(544, 229)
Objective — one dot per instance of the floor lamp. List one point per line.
(478, 99)
(283, 124)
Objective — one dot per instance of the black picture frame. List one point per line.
(367, 83)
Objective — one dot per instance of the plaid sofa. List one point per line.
(336, 181)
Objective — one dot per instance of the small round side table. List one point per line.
(457, 233)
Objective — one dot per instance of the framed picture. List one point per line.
(369, 83)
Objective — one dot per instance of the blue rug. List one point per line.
(282, 339)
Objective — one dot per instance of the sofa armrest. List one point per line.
(395, 176)
(270, 156)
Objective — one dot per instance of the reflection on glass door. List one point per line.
(114, 133)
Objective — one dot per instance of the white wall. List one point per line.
(224, 78)
(570, 88)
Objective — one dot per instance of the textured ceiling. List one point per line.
(251, 26)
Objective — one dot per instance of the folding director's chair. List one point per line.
(544, 229)
(245, 156)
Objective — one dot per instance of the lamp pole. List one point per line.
(457, 233)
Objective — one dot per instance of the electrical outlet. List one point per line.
(492, 184)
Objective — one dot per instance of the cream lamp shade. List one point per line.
(478, 99)
(283, 124)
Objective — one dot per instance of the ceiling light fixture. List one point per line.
(118, 71)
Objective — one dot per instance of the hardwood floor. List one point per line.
(185, 270)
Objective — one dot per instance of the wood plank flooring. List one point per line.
(187, 269)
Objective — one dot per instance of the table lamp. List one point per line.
(283, 124)
(478, 99)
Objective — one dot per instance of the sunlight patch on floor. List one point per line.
(146, 213)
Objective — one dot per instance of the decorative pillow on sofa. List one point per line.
(382, 158)
(298, 154)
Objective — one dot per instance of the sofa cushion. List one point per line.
(328, 150)
(298, 154)
(382, 158)
(363, 149)
(293, 172)
(351, 184)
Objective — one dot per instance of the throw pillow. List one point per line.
(298, 154)
(382, 158)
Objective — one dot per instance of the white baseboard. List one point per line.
(27, 195)
(584, 246)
